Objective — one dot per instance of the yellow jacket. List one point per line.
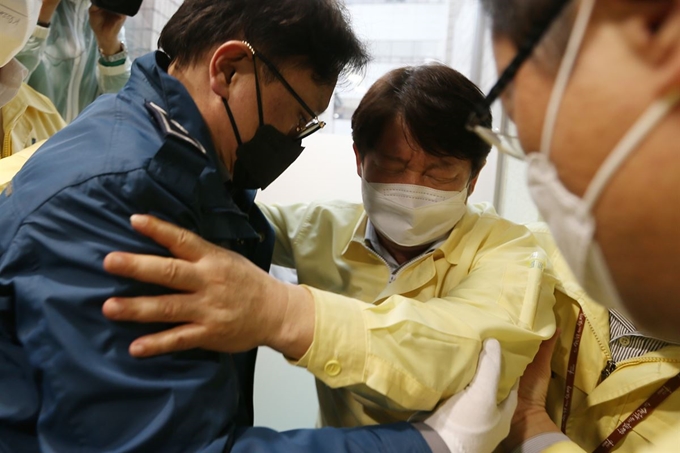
(383, 350)
(28, 118)
(596, 410)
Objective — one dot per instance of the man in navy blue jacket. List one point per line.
(217, 114)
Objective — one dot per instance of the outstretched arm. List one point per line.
(226, 303)
(214, 286)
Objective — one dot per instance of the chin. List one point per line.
(660, 320)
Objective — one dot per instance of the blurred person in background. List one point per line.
(26, 116)
(76, 53)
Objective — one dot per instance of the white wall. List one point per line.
(285, 396)
(325, 170)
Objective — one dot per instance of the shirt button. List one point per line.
(332, 368)
(624, 341)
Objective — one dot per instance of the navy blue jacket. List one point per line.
(67, 382)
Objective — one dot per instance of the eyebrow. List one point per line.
(390, 156)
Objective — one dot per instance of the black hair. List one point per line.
(517, 19)
(434, 103)
(315, 33)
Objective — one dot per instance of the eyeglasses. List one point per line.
(505, 143)
(302, 130)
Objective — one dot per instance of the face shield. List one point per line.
(18, 18)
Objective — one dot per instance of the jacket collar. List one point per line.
(150, 80)
(359, 240)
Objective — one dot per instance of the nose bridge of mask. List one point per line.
(17, 21)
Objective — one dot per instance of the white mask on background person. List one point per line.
(569, 217)
(411, 215)
(18, 19)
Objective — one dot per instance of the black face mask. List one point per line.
(263, 158)
(126, 7)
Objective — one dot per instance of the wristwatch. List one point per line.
(121, 55)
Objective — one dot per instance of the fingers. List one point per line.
(168, 272)
(488, 369)
(545, 352)
(182, 243)
(181, 338)
(167, 309)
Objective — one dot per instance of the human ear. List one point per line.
(665, 46)
(228, 64)
(652, 32)
(473, 181)
(357, 156)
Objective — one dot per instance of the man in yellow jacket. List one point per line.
(407, 284)
(29, 117)
(602, 85)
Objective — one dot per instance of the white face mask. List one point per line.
(569, 217)
(18, 18)
(411, 215)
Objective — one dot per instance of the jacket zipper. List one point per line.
(7, 144)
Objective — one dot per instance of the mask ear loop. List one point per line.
(257, 92)
(233, 122)
(647, 122)
(259, 102)
(564, 73)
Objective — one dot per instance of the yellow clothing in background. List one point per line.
(392, 345)
(669, 443)
(11, 165)
(27, 119)
(597, 408)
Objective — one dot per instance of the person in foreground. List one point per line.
(400, 283)
(197, 127)
(596, 107)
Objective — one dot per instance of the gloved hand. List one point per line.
(471, 421)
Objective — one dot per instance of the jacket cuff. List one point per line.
(40, 32)
(433, 439)
(108, 71)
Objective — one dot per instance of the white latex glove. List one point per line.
(470, 421)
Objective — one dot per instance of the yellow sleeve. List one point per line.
(10, 166)
(286, 222)
(404, 354)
